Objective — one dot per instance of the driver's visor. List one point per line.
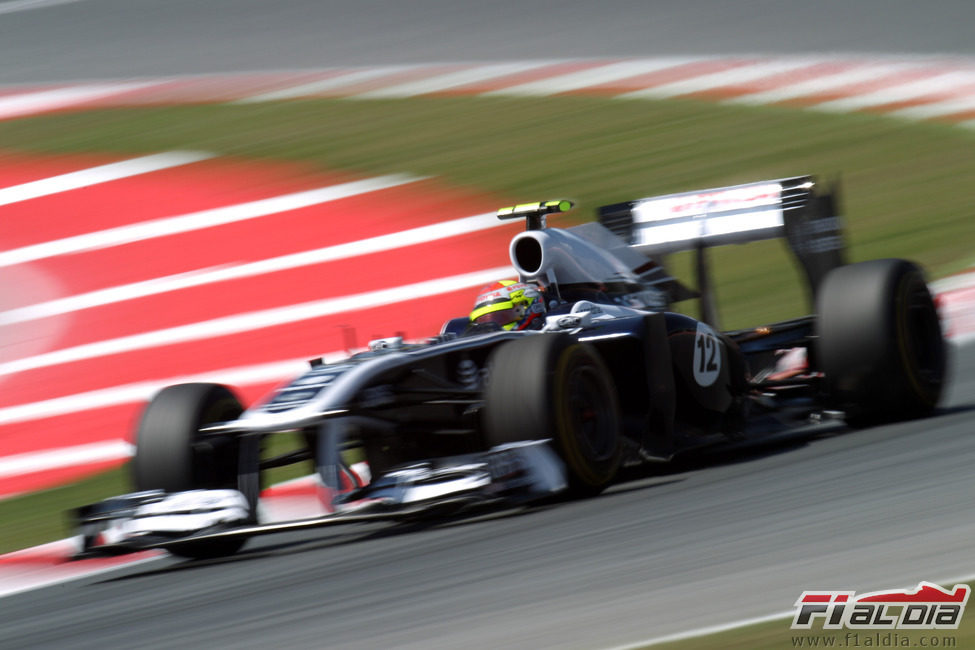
(504, 314)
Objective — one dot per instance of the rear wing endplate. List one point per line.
(796, 209)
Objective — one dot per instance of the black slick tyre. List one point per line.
(879, 342)
(550, 386)
(172, 455)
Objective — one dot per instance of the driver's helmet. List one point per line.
(511, 305)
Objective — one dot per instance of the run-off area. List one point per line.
(123, 275)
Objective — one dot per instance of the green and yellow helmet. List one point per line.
(511, 305)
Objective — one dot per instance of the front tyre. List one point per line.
(550, 386)
(172, 455)
(879, 342)
(170, 452)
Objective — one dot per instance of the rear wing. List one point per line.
(796, 209)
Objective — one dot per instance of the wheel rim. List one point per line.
(590, 413)
(214, 467)
(922, 338)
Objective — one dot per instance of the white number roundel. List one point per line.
(707, 356)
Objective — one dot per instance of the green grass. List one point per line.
(33, 519)
(906, 187)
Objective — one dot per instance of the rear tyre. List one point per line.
(172, 455)
(879, 342)
(549, 386)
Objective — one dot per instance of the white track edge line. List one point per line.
(42, 101)
(100, 174)
(747, 73)
(223, 273)
(202, 219)
(594, 76)
(49, 459)
(143, 390)
(345, 78)
(29, 5)
(249, 321)
(467, 76)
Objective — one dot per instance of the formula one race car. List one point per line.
(481, 414)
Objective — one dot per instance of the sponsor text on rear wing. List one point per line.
(797, 209)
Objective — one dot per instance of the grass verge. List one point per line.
(33, 519)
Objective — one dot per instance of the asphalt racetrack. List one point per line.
(732, 535)
(711, 540)
(73, 40)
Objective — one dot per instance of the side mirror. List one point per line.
(455, 327)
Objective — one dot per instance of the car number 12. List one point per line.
(707, 356)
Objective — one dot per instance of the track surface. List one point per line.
(865, 510)
(122, 38)
(739, 536)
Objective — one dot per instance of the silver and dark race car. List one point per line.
(480, 415)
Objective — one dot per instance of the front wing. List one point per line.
(507, 474)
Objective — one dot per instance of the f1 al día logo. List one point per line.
(928, 607)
